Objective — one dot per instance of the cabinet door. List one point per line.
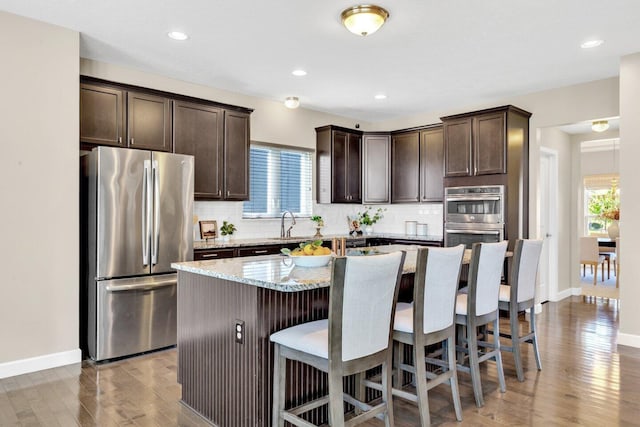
(198, 131)
(489, 144)
(457, 146)
(405, 167)
(354, 168)
(431, 165)
(376, 163)
(236, 155)
(339, 164)
(149, 121)
(101, 115)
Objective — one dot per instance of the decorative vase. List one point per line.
(318, 235)
(226, 237)
(368, 230)
(613, 229)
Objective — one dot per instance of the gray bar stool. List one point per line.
(479, 307)
(519, 296)
(355, 338)
(434, 300)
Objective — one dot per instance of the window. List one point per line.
(280, 180)
(601, 195)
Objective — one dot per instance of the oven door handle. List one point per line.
(473, 232)
(472, 198)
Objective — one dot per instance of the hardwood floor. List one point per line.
(586, 380)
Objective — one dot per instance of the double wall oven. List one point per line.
(474, 214)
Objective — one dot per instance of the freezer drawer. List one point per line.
(134, 315)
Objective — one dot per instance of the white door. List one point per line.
(548, 180)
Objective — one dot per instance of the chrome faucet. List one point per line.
(293, 222)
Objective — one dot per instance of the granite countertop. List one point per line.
(265, 241)
(278, 272)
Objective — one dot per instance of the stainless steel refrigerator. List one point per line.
(136, 219)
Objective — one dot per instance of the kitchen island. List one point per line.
(227, 309)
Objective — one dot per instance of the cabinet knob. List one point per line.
(219, 193)
(119, 140)
(132, 141)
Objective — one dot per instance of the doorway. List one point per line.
(548, 225)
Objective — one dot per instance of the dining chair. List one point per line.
(519, 296)
(590, 255)
(434, 295)
(479, 307)
(356, 337)
(616, 264)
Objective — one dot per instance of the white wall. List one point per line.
(39, 193)
(629, 332)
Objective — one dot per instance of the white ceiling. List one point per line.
(430, 55)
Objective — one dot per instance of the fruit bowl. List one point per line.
(311, 260)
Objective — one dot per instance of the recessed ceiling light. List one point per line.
(380, 96)
(177, 35)
(591, 44)
(299, 73)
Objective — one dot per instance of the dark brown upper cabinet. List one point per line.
(432, 164)
(149, 121)
(417, 165)
(102, 115)
(405, 167)
(236, 155)
(198, 130)
(457, 143)
(216, 134)
(490, 149)
(338, 157)
(476, 143)
(376, 168)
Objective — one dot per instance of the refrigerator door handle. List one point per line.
(156, 214)
(145, 212)
(171, 281)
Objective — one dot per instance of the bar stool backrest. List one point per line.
(441, 276)
(525, 268)
(485, 272)
(364, 291)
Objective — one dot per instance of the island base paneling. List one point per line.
(229, 383)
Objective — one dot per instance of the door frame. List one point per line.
(551, 239)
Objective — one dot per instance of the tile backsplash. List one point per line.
(334, 215)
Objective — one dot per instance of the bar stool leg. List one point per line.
(279, 372)
(532, 317)
(421, 385)
(453, 381)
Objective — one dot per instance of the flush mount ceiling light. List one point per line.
(364, 19)
(600, 125)
(380, 96)
(589, 44)
(177, 35)
(299, 73)
(292, 102)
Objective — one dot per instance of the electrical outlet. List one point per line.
(238, 331)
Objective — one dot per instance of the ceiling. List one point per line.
(429, 56)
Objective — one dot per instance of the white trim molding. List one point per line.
(629, 340)
(39, 363)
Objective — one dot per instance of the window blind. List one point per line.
(280, 180)
(601, 182)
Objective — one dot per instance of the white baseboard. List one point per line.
(39, 363)
(566, 294)
(629, 340)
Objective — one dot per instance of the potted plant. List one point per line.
(319, 224)
(369, 217)
(606, 207)
(227, 230)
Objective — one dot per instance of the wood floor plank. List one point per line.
(587, 380)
